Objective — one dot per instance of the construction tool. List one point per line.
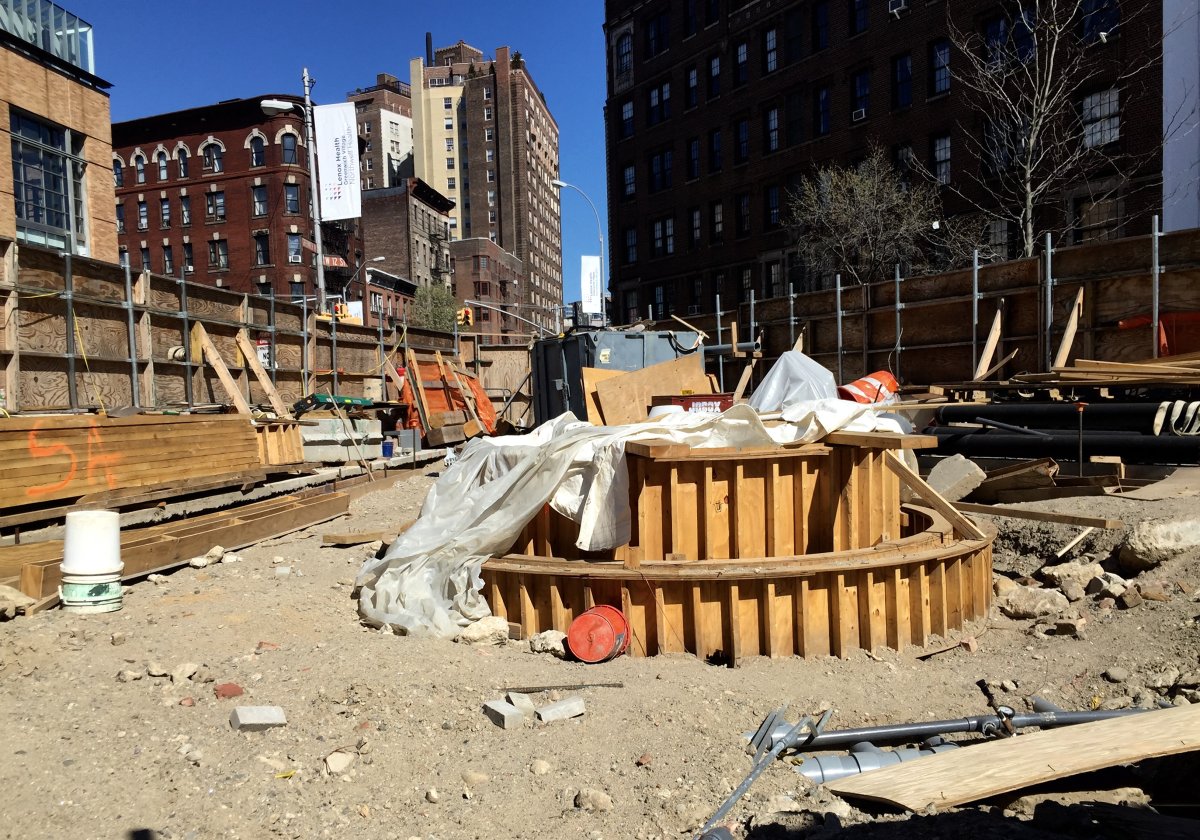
(330, 401)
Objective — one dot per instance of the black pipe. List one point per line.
(1065, 445)
(1140, 417)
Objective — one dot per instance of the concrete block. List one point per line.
(523, 702)
(330, 442)
(955, 477)
(505, 715)
(562, 710)
(257, 718)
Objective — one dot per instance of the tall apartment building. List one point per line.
(385, 132)
(221, 192)
(484, 137)
(55, 111)
(717, 108)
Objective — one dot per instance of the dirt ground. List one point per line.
(95, 746)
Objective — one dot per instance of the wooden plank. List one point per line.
(445, 436)
(989, 347)
(447, 418)
(1041, 516)
(1068, 339)
(881, 440)
(962, 525)
(983, 770)
(1039, 494)
(250, 353)
(626, 399)
(744, 380)
(591, 376)
(418, 387)
(213, 356)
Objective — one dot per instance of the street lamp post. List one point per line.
(354, 277)
(273, 107)
(600, 233)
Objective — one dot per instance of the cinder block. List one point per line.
(505, 715)
(523, 702)
(257, 718)
(562, 710)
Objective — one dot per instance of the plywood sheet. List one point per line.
(591, 377)
(977, 772)
(626, 399)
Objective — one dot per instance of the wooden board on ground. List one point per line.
(626, 399)
(976, 772)
(1041, 516)
(445, 436)
(1185, 481)
(1026, 475)
(591, 376)
(385, 536)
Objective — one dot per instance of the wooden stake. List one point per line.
(199, 334)
(250, 352)
(989, 348)
(1068, 339)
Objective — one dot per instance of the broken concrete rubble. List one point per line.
(955, 477)
(1031, 602)
(1153, 542)
(492, 630)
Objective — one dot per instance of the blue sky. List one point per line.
(163, 56)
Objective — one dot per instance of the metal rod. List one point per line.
(838, 281)
(69, 302)
(1049, 292)
(273, 339)
(752, 312)
(133, 360)
(188, 394)
(1154, 287)
(333, 361)
(1009, 427)
(791, 315)
(314, 189)
(975, 310)
(383, 359)
(720, 359)
(749, 346)
(899, 305)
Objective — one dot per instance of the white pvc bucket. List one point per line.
(92, 566)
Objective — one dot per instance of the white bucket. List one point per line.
(663, 410)
(91, 566)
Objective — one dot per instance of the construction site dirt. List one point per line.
(118, 723)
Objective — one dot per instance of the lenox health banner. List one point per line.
(337, 161)
(589, 285)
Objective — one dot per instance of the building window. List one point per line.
(714, 150)
(741, 64)
(997, 238)
(659, 102)
(120, 218)
(448, 103)
(859, 16)
(487, 113)
(630, 245)
(821, 111)
(941, 159)
(185, 210)
(690, 18)
(820, 25)
(491, 176)
(1101, 118)
(368, 164)
(741, 149)
(939, 67)
(489, 134)
(118, 173)
(1100, 18)
(716, 222)
(258, 151)
(448, 124)
(489, 155)
(657, 34)
(288, 148)
(743, 214)
(291, 198)
(692, 95)
(661, 163)
(712, 12)
(771, 130)
(745, 285)
(861, 90)
(218, 253)
(161, 160)
(771, 50)
(1096, 219)
(451, 183)
(214, 158)
(696, 227)
(714, 76)
(143, 216)
(630, 181)
(262, 249)
(214, 206)
(664, 237)
(145, 254)
(139, 166)
(902, 81)
(450, 164)
(626, 119)
(771, 207)
(181, 158)
(693, 166)
(164, 212)
(258, 196)
(295, 254)
(189, 263)
(902, 162)
(168, 260)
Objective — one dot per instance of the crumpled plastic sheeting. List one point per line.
(428, 582)
(794, 378)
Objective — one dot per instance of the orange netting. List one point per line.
(447, 398)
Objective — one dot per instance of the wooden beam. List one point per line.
(418, 387)
(12, 337)
(250, 353)
(1068, 339)
(963, 526)
(200, 335)
(989, 347)
(1041, 516)
(999, 365)
(744, 380)
(881, 440)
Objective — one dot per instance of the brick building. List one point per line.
(484, 137)
(221, 192)
(57, 191)
(385, 131)
(717, 108)
(409, 226)
(485, 272)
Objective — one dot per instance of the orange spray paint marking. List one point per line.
(95, 460)
(36, 450)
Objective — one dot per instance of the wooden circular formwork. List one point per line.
(801, 551)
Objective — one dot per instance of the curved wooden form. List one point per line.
(814, 556)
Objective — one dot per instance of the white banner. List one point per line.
(589, 285)
(337, 161)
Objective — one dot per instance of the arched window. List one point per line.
(288, 142)
(181, 155)
(118, 173)
(162, 166)
(258, 151)
(139, 165)
(214, 157)
(624, 53)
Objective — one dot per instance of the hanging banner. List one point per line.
(589, 285)
(337, 161)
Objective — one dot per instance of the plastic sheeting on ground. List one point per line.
(794, 378)
(428, 582)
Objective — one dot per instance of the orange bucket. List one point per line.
(598, 635)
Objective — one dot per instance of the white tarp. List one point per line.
(337, 161)
(428, 581)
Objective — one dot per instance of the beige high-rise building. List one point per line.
(484, 137)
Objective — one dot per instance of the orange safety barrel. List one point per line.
(876, 387)
(598, 635)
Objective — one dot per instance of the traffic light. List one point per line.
(466, 317)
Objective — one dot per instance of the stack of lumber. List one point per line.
(616, 397)
(279, 442)
(1172, 370)
(49, 458)
(1041, 479)
(450, 404)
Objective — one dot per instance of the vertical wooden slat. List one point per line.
(937, 598)
(733, 624)
(954, 593)
(919, 603)
(771, 618)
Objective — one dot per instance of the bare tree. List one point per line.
(1030, 78)
(863, 220)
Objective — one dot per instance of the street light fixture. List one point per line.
(559, 184)
(275, 107)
